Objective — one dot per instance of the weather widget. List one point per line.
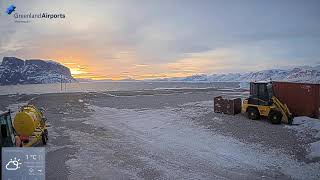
(23, 163)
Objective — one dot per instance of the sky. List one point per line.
(145, 39)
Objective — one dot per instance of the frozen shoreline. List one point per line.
(109, 86)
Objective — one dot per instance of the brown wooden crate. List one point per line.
(227, 106)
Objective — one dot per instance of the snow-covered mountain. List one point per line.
(306, 74)
(33, 71)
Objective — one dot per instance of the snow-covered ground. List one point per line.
(169, 136)
(305, 126)
(167, 140)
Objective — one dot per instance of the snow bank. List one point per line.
(315, 149)
(310, 125)
(305, 126)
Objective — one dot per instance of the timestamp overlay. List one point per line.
(23, 163)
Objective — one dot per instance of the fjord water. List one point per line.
(110, 86)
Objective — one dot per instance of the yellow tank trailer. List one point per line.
(29, 124)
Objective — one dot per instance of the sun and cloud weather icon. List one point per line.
(10, 9)
(13, 165)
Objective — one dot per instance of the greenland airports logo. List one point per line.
(27, 17)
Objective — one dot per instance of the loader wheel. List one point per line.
(253, 113)
(275, 117)
(290, 120)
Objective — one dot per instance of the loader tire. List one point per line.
(253, 113)
(275, 117)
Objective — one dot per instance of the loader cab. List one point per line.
(260, 93)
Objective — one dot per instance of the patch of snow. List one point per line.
(108, 94)
(200, 104)
(169, 134)
(315, 149)
(92, 161)
(14, 108)
(218, 120)
(308, 126)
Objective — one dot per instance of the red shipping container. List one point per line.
(303, 99)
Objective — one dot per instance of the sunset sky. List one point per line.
(144, 39)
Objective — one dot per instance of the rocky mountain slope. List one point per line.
(306, 74)
(34, 71)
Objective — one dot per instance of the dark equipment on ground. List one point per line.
(262, 102)
(227, 105)
(8, 134)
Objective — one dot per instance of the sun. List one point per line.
(76, 71)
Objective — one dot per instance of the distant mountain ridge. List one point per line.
(305, 74)
(34, 71)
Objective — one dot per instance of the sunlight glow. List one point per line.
(76, 71)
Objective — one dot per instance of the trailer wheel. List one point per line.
(44, 137)
(253, 113)
(275, 117)
(46, 133)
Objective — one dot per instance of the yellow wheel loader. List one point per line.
(262, 102)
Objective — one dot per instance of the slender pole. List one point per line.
(61, 82)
